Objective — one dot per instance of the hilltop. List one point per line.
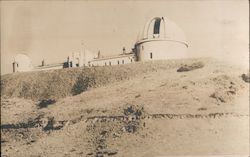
(173, 107)
(60, 83)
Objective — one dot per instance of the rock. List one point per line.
(109, 152)
(137, 96)
(88, 153)
(193, 66)
(202, 109)
(46, 102)
(245, 77)
(112, 153)
(219, 97)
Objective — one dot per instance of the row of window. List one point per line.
(118, 62)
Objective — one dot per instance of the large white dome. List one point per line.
(161, 28)
(161, 39)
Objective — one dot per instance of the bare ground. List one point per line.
(202, 110)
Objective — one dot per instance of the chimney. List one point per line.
(99, 54)
(123, 50)
(43, 62)
(14, 67)
(68, 62)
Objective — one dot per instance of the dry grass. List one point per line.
(54, 84)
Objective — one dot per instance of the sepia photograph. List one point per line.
(124, 78)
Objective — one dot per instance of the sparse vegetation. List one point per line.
(54, 84)
(125, 110)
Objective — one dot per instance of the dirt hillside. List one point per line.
(55, 84)
(174, 107)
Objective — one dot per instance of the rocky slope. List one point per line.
(175, 107)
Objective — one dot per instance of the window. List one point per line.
(157, 26)
(118, 62)
(78, 61)
(122, 61)
(151, 55)
(109, 63)
(105, 63)
(131, 60)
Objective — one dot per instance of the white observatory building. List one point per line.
(160, 39)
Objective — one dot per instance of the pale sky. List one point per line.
(51, 30)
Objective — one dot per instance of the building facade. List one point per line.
(113, 60)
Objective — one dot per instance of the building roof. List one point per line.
(161, 28)
(114, 56)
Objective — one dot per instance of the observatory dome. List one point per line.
(162, 28)
(22, 63)
(161, 38)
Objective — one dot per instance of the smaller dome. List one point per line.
(23, 62)
(163, 29)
